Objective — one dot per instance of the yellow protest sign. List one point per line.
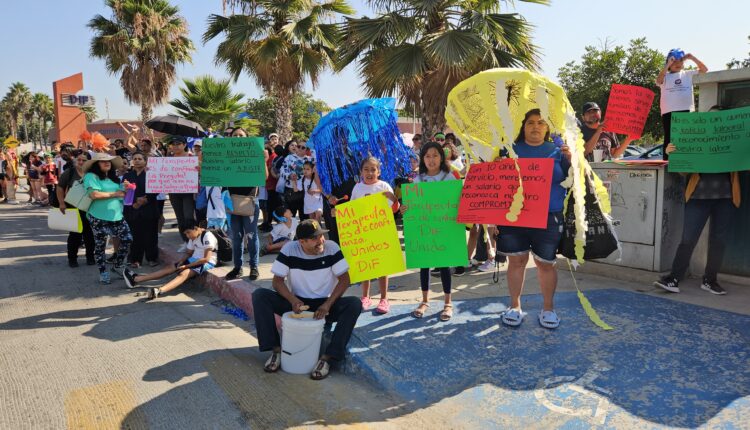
(368, 237)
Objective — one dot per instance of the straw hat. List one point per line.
(102, 156)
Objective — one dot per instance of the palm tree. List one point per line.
(208, 102)
(144, 42)
(43, 109)
(421, 49)
(280, 44)
(18, 101)
(90, 112)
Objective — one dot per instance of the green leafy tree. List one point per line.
(280, 44)
(737, 64)
(421, 49)
(306, 113)
(208, 101)
(143, 42)
(599, 68)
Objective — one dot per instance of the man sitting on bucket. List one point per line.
(318, 277)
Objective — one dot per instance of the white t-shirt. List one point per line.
(313, 203)
(215, 208)
(281, 230)
(677, 92)
(441, 176)
(203, 242)
(363, 190)
(310, 276)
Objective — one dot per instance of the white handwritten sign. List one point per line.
(172, 175)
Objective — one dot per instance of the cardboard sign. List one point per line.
(489, 189)
(172, 175)
(627, 109)
(432, 236)
(368, 237)
(233, 162)
(711, 142)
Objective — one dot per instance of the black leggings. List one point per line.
(445, 277)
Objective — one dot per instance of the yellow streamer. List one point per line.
(593, 316)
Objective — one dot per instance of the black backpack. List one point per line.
(224, 253)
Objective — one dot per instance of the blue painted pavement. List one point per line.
(666, 363)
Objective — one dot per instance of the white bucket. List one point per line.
(300, 343)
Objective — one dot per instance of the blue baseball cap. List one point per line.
(675, 53)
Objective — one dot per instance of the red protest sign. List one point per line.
(627, 109)
(489, 189)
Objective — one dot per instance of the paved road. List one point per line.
(77, 354)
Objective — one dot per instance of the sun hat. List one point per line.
(102, 156)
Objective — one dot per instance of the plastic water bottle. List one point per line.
(129, 195)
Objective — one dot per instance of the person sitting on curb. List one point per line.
(199, 258)
(283, 231)
(318, 277)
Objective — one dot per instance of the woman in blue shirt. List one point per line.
(106, 211)
(534, 141)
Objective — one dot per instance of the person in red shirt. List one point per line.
(48, 173)
(273, 200)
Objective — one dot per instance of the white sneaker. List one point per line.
(487, 266)
(182, 248)
(12, 202)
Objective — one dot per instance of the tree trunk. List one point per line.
(26, 134)
(433, 119)
(283, 113)
(146, 113)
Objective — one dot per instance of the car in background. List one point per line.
(633, 150)
(654, 153)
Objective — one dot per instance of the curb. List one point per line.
(237, 291)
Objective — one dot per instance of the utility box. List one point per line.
(647, 210)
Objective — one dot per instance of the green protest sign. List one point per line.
(233, 162)
(711, 142)
(432, 236)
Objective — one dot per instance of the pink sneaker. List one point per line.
(366, 303)
(383, 307)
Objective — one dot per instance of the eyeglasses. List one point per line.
(301, 147)
(439, 140)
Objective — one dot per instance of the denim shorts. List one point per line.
(542, 243)
(199, 270)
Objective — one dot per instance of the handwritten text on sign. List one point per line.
(233, 162)
(489, 189)
(368, 236)
(627, 109)
(431, 231)
(172, 175)
(711, 142)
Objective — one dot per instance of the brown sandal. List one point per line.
(417, 313)
(273, 363)
(447, 313)
(321, 370)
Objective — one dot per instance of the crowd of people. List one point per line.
(310, 270)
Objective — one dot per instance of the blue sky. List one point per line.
(45, 40)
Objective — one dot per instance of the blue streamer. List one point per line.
(348, 135)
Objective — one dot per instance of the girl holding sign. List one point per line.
(533, 141)
(433, 168)
(369, 172)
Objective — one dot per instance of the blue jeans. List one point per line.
(242, 226)
(697, 212)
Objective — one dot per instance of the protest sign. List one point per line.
(431, 232)
(711, 142)
(368, 236)
(489, 189)
(627, 109)
(172, 175)
(233, 162)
